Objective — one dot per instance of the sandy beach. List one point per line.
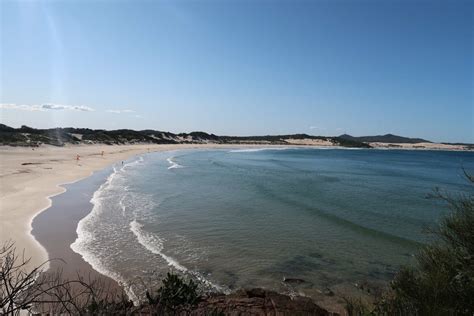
(55, 228)
(421, 146)
(30, 176)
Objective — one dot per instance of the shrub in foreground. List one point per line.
(49, 293)
(174, 294)
(442, 282)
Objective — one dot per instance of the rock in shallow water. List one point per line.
(293, 280)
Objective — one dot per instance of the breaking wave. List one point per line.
(154, 244)
(85, 228)
(173, 164)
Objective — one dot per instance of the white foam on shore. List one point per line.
(173, 164)
(46, 265)
(151, 242)
(84, 236)
(154, 244)
(133, 163)
(122, 205)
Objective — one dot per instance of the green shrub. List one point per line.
(442, 280)
(356, 307)
(175, 294)
(108, 306)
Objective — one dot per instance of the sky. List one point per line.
(241, 67)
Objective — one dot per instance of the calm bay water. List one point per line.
(246, 218)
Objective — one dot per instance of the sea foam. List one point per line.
(154, 244)
(151, 242)
(85, 228)
(173, 164)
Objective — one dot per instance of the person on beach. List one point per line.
(77, 157)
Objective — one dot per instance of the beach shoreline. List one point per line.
(31, 176)
(56, 229)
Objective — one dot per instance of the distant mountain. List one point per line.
(28, 136)
(387, 138)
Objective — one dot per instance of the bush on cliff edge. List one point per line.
(442, 280)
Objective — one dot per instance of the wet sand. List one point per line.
(31, 176)
(55, 228)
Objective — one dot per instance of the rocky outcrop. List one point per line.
(257, 302)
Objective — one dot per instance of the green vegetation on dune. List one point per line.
(387, 138)
(27, 136)
(350, 143)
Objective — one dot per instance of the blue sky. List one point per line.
(241, 67)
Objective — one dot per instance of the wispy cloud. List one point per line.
(45, 107)
(317, 127)
(121, 111)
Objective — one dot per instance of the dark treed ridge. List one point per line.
(27, 136)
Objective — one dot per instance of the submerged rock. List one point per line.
(327, 291)
(293, 280)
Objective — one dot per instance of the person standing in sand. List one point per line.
(78, 157)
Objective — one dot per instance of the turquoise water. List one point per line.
(245, 218)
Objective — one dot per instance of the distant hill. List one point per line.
(387, 138)
(28, 136)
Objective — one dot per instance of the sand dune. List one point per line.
(420, 146)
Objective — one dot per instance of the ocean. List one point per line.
(254, 217)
